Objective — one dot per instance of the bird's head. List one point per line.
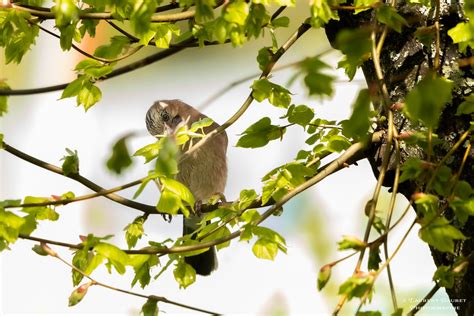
(166, 116)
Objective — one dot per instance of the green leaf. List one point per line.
(357, 127)
(411, 169)
(117, 258)
(71, 163)
(114, 49)
(389, 16)
(222, 232)
(467, 106)
(164, 34)
(317, 82)
(440, 234)
(95, 69)
(247, 197)
(463, 34)
(236, 12)
(74, 88)
(69, 33)
(426, 205)
(351, 242)
(179, 189)
(276, 95)
(364, 3)
(134, 231)
(39, 250)
(282, 21)
(150, 308)
(3, 102)
(169, 203)
(259, 134)
(120, 158)
(338, 143)
(10, 225)
(356, 45)
(140, 17)
(167, 160)
(321, 13)
(358, 285)
(142, 265)
(264, 58)
(424, 105)
(444, 276)
(323, 276)
(89, 95)
(65, 12)
(463, 208)
(300, 114)
(265, 249)
(184, 274)
(150, 151)
(40, 212)
(374, 258)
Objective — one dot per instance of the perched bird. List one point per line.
(204, 172)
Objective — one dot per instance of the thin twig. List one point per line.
(83, 52)
(332, 167)
(425, 300)
(80, 198)
(54, 254)
(282, 50)
(77, 177)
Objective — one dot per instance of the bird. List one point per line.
(204, 172)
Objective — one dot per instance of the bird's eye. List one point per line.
(165, 116)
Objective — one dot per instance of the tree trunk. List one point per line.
(404, 62)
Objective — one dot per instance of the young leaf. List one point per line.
(184, 274)
(321, 13)
(117, 45)
(300, 114)
(265, 249)
(71, 163)
(351, 242)
(89, 95)
(357, 127)
(3, 100)
(276, 94)
(178, 189)
(259, 134)
(150, 308)
(236, 12)
(388, 15)
(120, 158)
(358, 285)
(116, 256)
(424, 105)
(246, 198)
(134, 231)
(164, 34)
(467, 106)
(317, 82)
(440, 234)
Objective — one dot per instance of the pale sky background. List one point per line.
(312, 223)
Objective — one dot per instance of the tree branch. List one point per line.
(336, 165)
(54, 254)
(49, 15)
(77, 177)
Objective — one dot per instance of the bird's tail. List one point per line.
(206, 262)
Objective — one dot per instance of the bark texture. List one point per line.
(405, 61)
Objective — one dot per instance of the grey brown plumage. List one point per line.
(204, 172)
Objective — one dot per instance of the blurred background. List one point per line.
(43, 126)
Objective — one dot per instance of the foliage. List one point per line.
(437, 184)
